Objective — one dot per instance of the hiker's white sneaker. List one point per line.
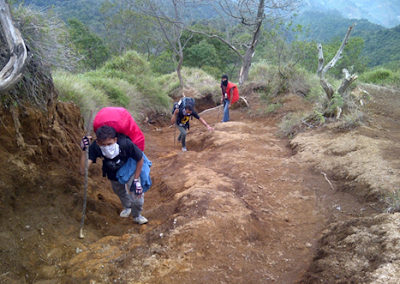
(184, 149)
(140, 220)
(125, 213)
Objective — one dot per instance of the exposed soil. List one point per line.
(241, 206)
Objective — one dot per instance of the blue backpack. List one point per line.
(183, 103)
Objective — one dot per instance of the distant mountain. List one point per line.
(87, 11)
(382, 45)
(382, 12)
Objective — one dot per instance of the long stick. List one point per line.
(219, 111)
(327, 180)
(81, 236)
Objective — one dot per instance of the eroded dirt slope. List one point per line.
(239, 207)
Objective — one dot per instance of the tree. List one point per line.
(209, 54)
(334, 95)
(88, 44)
(128, 29)
(170, 16)
(249, 15)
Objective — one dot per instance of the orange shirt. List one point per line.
(235, 96)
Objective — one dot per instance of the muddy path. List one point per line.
(241, 206)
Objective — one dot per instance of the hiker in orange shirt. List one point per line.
(230, 95)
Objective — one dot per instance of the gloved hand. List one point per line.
(136, 187)
(85, 142)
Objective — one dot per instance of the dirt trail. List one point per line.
(239, 207)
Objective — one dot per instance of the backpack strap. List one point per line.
(123, 144)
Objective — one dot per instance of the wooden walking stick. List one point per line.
(219, 111)
(81, 236)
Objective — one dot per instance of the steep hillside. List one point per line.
(241, 206)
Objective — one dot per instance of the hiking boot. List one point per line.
(125, 213)
(184, 149)
(140, 220)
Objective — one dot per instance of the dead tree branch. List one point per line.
(18, 53)
(348, 79)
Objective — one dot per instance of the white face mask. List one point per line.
(110, 151)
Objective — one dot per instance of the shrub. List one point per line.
(393, 201)
(196, 81)
(271, 108)
(128, 65)
(293, 123)
(381, 76)
(115, 94)
(277, 80)
(352, 120)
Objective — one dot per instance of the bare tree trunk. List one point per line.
(251, 50)
(347, 80)
(178, 70)
(12, 71)
(322, 71)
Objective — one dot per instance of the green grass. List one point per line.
(78, 90)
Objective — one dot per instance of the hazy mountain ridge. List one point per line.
(382, 45)
(382, 12)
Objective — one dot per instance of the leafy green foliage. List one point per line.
(163, 63)
(210, 54)
(201, 54)
(319, 117)
(88, 44)
(135, 69)
(337, 101)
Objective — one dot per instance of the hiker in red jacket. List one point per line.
(230, 95)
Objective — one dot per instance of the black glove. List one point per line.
(85, 143)
(136, 187)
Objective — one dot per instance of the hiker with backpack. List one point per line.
(124, 163)
(181, 113)
(230, 95)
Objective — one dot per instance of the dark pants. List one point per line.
(182, 135)
(128, 200)
(226, 111)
